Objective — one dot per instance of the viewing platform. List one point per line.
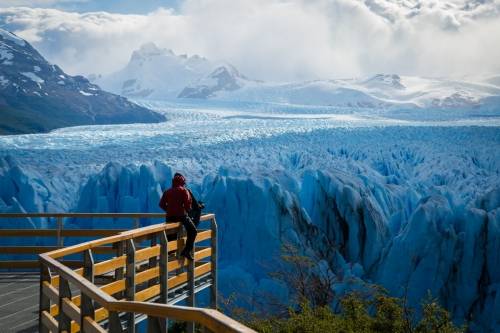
(124, 281)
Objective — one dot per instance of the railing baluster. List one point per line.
(130, 283)
(119, 272)
(44, 300)
(180, 245)
(64, 292)
(190, 282)
(115, 324)
(153, 261)
(87, 304)
(163, 268)
(213, 260)
(163, 275)
(156, 325)
(59, 223)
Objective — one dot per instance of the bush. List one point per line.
(384, 314)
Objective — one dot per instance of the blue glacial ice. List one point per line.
(407, 204)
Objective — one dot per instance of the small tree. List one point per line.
(435, 319)
(389, 315)
(309, 284)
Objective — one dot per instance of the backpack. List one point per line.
(196, 208)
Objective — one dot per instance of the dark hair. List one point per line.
(178, 180)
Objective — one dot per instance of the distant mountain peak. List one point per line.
(149, 50)
(388, 80)
(226, 70)
(223, 78)
(157, 73)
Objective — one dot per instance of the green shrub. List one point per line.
(383, 314)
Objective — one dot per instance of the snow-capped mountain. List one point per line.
(155, 73)
(36, 96)
(159, 74)
(379, 91)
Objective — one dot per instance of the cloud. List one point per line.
(280, 39)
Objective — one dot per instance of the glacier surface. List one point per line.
(407, 200)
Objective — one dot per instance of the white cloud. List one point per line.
(280, 39)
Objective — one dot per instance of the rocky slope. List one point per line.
(36, 96)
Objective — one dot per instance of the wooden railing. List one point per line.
(142, 279)
(57, 235)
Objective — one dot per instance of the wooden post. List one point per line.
(213, 261)
(163, 268)
(64, 320)
(115, 325)
(87, 304)
(60, 240)
(130, 283)
(119, 272)
(180, 246)
(156, 325)
(153, 261)
(163, 277)
(44, 301)
(190, 284)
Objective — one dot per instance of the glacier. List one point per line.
(410, 201)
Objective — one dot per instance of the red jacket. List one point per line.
(176, 201)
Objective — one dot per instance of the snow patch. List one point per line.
(5, 54)
(3, 81)
(33, 77)
(84, 93)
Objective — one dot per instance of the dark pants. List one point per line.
(190, 230)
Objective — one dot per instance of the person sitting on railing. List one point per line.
(176, 201)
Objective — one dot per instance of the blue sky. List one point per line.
(280, 40)
(112, 6)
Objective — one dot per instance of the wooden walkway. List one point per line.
(121, 280)
(19, 302)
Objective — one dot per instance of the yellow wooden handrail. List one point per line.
(210, 318)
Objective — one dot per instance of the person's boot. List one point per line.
(187, 254)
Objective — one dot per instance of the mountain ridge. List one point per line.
(160, 74)
(36, 96)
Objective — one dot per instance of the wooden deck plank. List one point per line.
(18, 302)
(18, 293)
